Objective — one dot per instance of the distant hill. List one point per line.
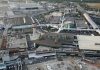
(94, 5)
(93, 1)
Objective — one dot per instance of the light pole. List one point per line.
(21, 66)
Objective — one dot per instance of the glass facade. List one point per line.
(69, 25)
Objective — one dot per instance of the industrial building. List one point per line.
(47, 36)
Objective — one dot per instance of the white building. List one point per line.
(88, 42)
(25, 6)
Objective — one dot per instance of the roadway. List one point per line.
(87, 17)
(4, 37)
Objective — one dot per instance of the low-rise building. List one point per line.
(87, 42)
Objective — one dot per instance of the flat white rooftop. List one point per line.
(24, 5)
(88, 42)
